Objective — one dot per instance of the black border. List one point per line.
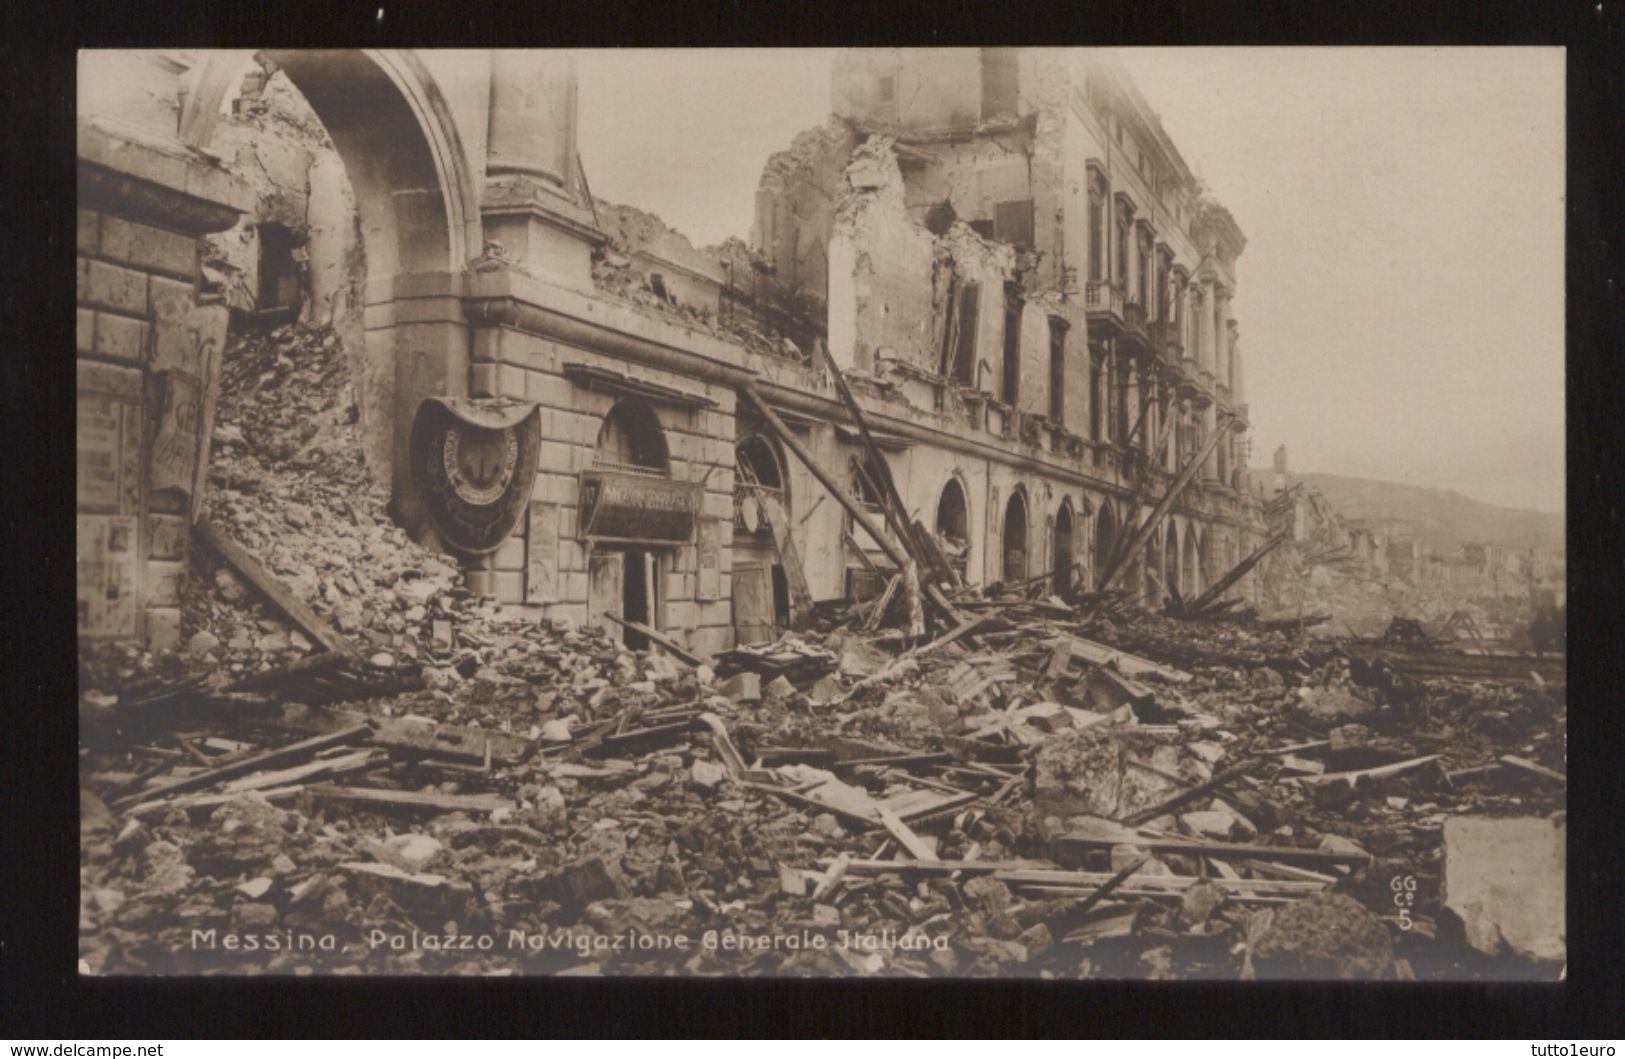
(42, 996)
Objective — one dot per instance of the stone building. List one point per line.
(1002, 250)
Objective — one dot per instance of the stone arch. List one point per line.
(632, 440)
(1063, 551)
(1015, 536)
(953, 511)
(1105, 539)
(394, 130)
(417, 200)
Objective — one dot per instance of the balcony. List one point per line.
(1135, 330)
(1166, 339)
(1103, 308)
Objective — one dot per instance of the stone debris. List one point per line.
(1069, 787)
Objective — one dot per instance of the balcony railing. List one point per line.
(1103, 307)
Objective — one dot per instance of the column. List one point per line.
(532, 203)
(1210, 466)
(533, 117)
(1204, 327)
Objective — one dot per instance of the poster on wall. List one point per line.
(709, 559)
(106, 571)
(541, 552)
(108, 450)
(175, 444)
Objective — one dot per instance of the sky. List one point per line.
(1400, 300)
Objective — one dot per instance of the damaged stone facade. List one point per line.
(1000, 248)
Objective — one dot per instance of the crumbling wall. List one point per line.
(931, 87)
(880, 267)
(795, 208)
(277, 147)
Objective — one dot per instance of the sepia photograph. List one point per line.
(1062, 513)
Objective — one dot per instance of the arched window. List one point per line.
(758, 475)
(953, 524)
(1152, 565)
(1173, 560)
(1105, 540)
(631, 441)
(1063, 555)
(1015, 537)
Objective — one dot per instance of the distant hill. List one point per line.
(1443, 518)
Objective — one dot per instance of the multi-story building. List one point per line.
(1000, 248)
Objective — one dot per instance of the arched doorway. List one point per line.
(1193, 579)
(417, 203)
(624, 578)
(1151, 565)
(1015, 537)
(1105, 541)
(761, 511)
(1062, 555)
(1170, 561)
(953, 524)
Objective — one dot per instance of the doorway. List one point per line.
(1061, 561)
(624, 582)
(1015, 538)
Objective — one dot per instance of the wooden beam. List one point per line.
(381, 798)
(853, 508)
(1236, 573)
(795, 576)
(279, 758)
(677, 650)
(1143, 534)
(296, 609)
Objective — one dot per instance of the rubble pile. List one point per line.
(1049, 787)
(1035, 802)
(287, 482)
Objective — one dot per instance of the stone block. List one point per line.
(511, 381)
(482, 380)
(87, 232)
(553, 391)
(479, 582)
(84, 335)
(120, 336)
(110, 286)
(166, 537)
(510, 554)
(575, 586)
(508, 586)
(164, 628)
(163, 583)
(81, 285)
(1505, 880)
(176, 295)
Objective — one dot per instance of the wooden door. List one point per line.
(753, 603)
(606, 573)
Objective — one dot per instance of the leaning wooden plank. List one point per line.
(917, 847)
(680, 652)
(1129, 664)
(199, 802)
(1188, 796)
(1530, 766)
(1360, 775)
(1066, 845)
(321, 767)
(795, 576)
(383, 798)
(860, 517)
(281, 597)
(882, 602)
(1008, 872)
(284, 756)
